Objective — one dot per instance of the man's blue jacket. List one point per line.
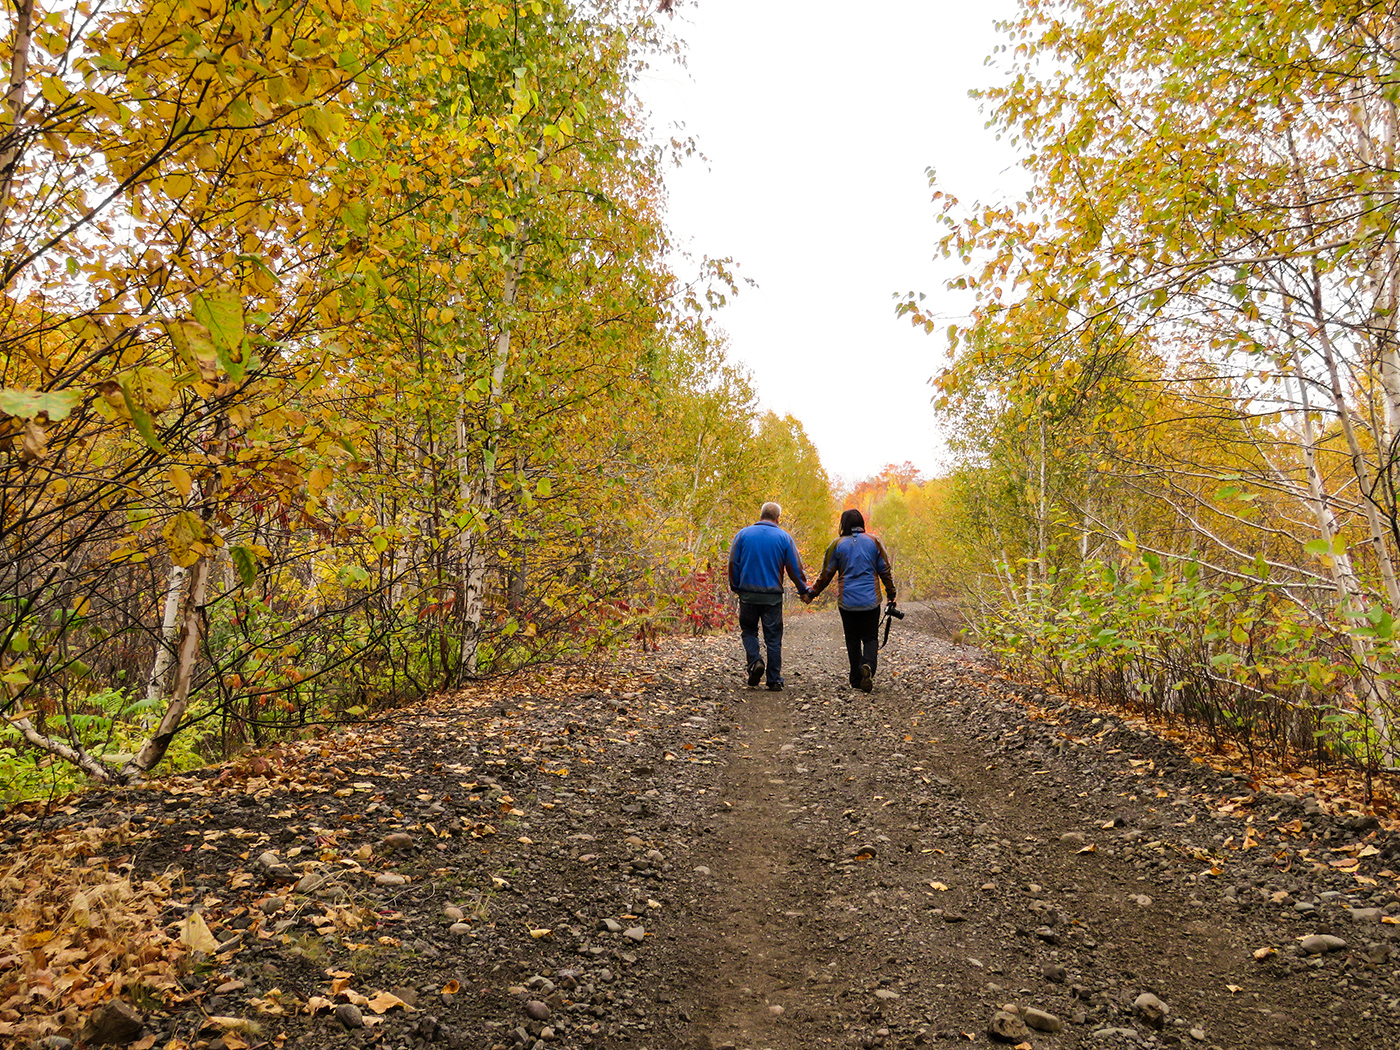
(758, 558)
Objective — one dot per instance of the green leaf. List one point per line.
(356, 218)
(246, 562)
(140, 418)
(26, 404)
(221, 312)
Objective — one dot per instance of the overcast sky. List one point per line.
(818, 121)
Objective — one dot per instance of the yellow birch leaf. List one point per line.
(181, 480)
(194, 933)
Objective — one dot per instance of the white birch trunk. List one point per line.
(168, 641)
(484, 501)
(191, 634)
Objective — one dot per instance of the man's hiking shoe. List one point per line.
(867, 678)
(756, 670)
(775, 687)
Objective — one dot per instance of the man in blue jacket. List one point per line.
(758, 558)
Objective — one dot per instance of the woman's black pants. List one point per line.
(862, 629)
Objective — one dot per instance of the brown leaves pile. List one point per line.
(75, 934)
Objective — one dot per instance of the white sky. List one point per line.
(818, 120)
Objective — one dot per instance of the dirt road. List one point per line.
(895, 868)
(662, 858)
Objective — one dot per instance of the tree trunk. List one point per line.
(191, 634)
(14, 103)
(483, 502)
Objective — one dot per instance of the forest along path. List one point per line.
(649, 855)
(894, 869)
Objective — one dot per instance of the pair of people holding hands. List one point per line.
(761, 554)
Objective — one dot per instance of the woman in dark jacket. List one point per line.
(862, 563)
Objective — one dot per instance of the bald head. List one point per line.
(770, 512)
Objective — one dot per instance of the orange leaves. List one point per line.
(75, 934)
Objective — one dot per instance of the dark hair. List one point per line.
(850, 521)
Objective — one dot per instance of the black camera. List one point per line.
(896, 613)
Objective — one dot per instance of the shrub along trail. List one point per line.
(660, 858)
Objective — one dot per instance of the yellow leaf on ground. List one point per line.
(383, 1001)
(194, 932)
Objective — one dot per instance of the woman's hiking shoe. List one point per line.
(867, 678)
(756, 670)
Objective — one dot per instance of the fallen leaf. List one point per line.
(223, 1021)
(194, 932)
(383, 1001)
(1088, 849)
(938, 886)
(451, 987)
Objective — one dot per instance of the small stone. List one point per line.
(229, 987)
(311, 882)
(885, 993)
(1198, 1034)
(1142, 900)
(388, 878)
(1320, 944)
(1366, 914)
(1074, 838)
(1054, 972)
(1040, 1020)
(398, 840)
(537, 1011)
(700, 869)
(454, 913)
(1151, 1009)
(54, 1042)
(1007, 1028)
(775, 1010)
(1104, 1034)
(459, 929)
(635, 933)
(349, 1015)
(269, 859)
(113, 1022)
(610, 925)
(272, 905)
